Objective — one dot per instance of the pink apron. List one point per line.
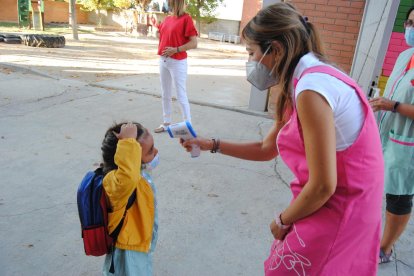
(342, 237)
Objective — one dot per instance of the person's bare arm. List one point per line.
(155, 23)
(192, 44)
(381, 103)
(406, 110)
(318, 126)
(264, 150)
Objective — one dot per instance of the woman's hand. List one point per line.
(169, 51)
(381, 103)
(128, 130)
(278, 232)
(203, 143)
(153, 21)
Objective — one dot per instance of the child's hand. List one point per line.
(128, 130)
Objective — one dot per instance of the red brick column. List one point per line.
(54, 12)
(250, 9)
(338, 22)
(8, 11)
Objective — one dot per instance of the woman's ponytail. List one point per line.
(315, 39)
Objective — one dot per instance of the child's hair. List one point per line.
(110, 142)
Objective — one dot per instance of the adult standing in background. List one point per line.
(396, 123)
(177, 35)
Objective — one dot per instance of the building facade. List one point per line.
(338, 22)
(396, 43)
(54, 12)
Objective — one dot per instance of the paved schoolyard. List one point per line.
(55, 105)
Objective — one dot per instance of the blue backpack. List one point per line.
(93, 211)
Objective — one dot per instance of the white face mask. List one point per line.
(409, 36)
(258, 74)
(152, 164)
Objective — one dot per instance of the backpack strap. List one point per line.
(98, 173)
(115, 233)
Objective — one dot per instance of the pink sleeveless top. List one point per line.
(342, 237)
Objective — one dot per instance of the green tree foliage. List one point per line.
(96, 5)
(123, 4)
(141, 5)
(203, 10)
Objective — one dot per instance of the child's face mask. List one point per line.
(152, 164)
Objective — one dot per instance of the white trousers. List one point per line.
(173, 75)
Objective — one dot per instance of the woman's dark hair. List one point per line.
(281, 22)
(110, 142)
(408, 13)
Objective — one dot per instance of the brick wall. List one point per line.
(338, 22)
(250, 9)
(231, 27)
(397, 43)
(54, 12)
(382, 81)
(8, 10)
(59, 12)
(395, 47)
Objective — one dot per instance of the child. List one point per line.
(128, 155)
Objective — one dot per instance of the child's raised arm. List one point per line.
(120, 183)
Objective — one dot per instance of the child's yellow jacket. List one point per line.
(136, 233)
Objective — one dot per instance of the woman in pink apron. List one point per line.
(327, 135)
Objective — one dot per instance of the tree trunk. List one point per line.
(72, 19)
(125, 14)
(200, 4)
(99, 18)
(199, 27)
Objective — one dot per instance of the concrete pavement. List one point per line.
(214, 210)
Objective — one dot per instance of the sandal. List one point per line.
(385, 258)
(161, 128)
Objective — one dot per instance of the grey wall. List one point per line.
(117, 19)
(110, 18)
(374, 36)
(222, 26)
